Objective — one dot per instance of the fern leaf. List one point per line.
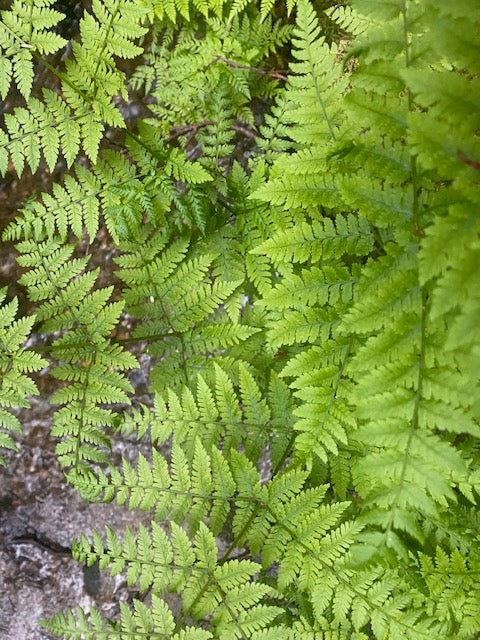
(15, 363)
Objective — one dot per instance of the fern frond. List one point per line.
(132, 623)
(313, 110)
(15, 363)
(305, 284)
(126, 193)
(174, 297)
(89, 362)
(26, 28)
(200, 479)
(446, 140)
(173, 563)
(321, 240)
(452, 590)
(77, 116)
(404, 402)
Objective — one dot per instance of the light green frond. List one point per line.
(26, 28)
(15, 363)
(314, 112)
(86, 358)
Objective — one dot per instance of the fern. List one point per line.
(226, 57)
(121, 192)
(77, 117)
(313, 110)
(24, 30)
(15, 363)
(452, 590)
(174, 296)
(218, 415)
(87, 359)
(296, 251)
(409, 405)
(451, 120)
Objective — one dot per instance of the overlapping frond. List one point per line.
(314, 113)
(26, 28)
(122, 193)
(179, 307)
(402, 396)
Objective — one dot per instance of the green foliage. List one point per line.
(62, 122)
(87, 359)
(124, 191)
(15, 363)
(297, 253)
(25, 29)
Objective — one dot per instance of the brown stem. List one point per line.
(337, 6)
(262, 72)
(177, 131)
(246, 132)
(468, 161)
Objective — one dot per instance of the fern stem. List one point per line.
(319, 95)
(418, 232)
(83, 404)
(61, 76)
(262, 72)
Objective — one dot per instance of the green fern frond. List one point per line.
(26, 28)
(226, 56)
(405, 403)
(321, 240)
(132, 623)
(219, 416)
(447, 145)
(15, 364)
(125, 192)
(314, 112)
(41, 128)
(326, 422)
(274, 137)
(88, 361)
(77, 116)
(175, 564)
(452, 590)
(174, 297)
(303, 278)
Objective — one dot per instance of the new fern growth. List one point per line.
(294, 232)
